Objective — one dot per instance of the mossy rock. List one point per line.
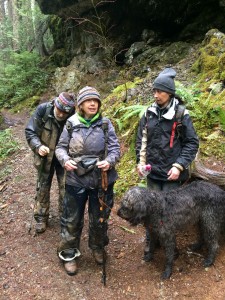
(29, 104)
(211, 56)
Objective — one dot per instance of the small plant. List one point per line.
(7, 143)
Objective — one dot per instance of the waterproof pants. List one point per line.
(72, 220)
(42, 199)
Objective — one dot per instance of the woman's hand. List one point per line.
(140, 174)
(103, 164)
(70, 165)
(173, 173)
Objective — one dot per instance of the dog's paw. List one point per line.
(166, 274)
(208, 262)
(148, 256)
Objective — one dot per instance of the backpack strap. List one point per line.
(47, 112)
(105, 128)
(69, 128)
(177, 125)
(179, 113)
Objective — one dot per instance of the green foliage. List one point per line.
(187, 95)
(7, 144)
(131, 111)
(21, 78)
(221, 114)
(127, 173)
(127, 85)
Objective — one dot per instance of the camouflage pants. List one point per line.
(42, 199)
(72, 220)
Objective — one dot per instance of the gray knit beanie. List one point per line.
(86, 93)
(165, 81)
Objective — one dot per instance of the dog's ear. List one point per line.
(137, 200)
(127, 199)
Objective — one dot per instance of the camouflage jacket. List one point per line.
(43, 129)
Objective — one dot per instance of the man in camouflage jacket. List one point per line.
(42, 134)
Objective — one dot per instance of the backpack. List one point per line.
(47, 112)
(105, 128)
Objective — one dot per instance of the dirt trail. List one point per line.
(30, 268)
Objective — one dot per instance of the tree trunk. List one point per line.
(2, 24)
(42, 28)
(27, 22)
(200, 171)
(14, 18)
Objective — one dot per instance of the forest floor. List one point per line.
(31, 270)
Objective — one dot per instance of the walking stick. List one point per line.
(103, 186)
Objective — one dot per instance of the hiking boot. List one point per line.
(70, 267)
(40, 226)
(98, 256)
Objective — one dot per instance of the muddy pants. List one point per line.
(72, 220)
(42, 199)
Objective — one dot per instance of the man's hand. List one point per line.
(70, 165)
(43, 150)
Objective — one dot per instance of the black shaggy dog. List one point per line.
(199, 202)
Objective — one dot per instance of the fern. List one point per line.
(132, 110)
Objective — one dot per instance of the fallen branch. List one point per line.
(126, 229)
(3, 206)
(194, 253)
(3, 186)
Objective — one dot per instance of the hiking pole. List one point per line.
(101, 196)
(103, 189)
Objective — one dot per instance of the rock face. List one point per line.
(111, 27)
